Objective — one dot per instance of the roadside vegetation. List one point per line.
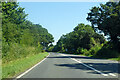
(21, 37)
(89, 40)
(23, 43)
(15, 67)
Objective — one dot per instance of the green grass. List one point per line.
(116, 59)
(15, 67)
(0, 69)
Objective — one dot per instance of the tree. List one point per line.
(12, 13)
(107, 19)
(82, 37)
(21, 34)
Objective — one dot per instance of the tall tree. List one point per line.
(107, 19)
(83, 36)
(13, 13)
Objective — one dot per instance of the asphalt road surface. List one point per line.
(58, 65)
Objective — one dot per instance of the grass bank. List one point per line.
(15, 67)
(116, 59)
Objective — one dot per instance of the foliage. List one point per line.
(15, 51)
(20, 36)
(85, 52)
(13, 13)
(107, 51)
(106, 18)
(50, 48)
(93, 51)
(83, 37)
(15, 67)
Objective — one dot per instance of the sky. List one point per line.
(58, 17)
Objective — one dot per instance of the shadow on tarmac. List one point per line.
(103, 67)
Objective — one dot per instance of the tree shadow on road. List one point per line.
(103, 67)
(85, 57)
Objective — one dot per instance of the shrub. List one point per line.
(15, 51)
(84, 51)
(107, 51)
(95, 49)
(79, 50)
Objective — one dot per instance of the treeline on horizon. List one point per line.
(88, 40)
(20, 37)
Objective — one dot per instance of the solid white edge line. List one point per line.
(31, 68)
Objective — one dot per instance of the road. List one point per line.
(58, 65)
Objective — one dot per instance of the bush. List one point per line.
(107, 51)
(95, 49)
(50, 49)
(15, 51)
(43, 51)
(85, 52)
(78, 50)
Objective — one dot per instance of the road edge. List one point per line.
(19, 76)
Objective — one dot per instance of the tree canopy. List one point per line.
(83, 36)
(18, 31)
(107, 19)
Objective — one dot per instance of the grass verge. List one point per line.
(14, 68)
(116, 59)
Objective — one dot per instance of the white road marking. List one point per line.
(91, 67)
(31, 68)
(63, 54)
(112, 74)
